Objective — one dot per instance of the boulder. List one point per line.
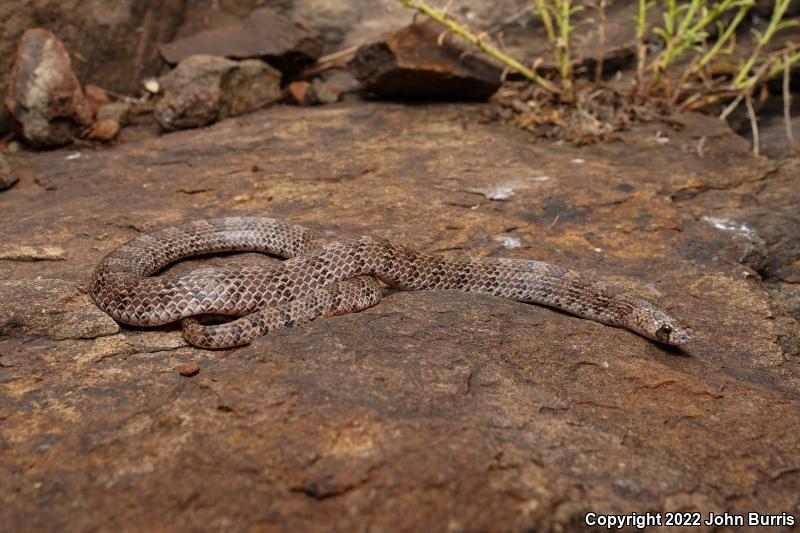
(203, 89)
(44, 96)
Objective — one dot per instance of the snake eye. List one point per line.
(663, 332)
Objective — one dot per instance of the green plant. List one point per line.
(686, 28)
(556, 16)
(673, 60)
(745, 78)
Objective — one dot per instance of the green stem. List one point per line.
(781, 65)
(563, 23)
(682, 40)
(541, 7)
(722, 39)
(641, 47)
(742, 80)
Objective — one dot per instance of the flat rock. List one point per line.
(203, 89)
(264, 34)
(431, 410)
(50, 308)
(14, 252)
(44, 97)
(420, 62)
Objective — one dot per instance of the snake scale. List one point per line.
(328, 278)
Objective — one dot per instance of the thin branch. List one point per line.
(748, 100)
(511, 20)
(733, 105)
(641, 46)
(787, 104)
(601, 40)
(541, 7)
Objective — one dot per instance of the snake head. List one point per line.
(656, 324)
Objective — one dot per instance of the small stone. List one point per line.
(189, 369)
(299, 92)
(151, 85)
(7, 176)
(103, 131)
(323, 93)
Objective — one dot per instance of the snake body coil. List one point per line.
(324, 279)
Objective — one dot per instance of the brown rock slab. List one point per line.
(7, 176)
(264, 34)
(44, 96)
(432, 410)
(418, 62)
(203, 89)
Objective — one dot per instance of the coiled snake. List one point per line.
(325, 279)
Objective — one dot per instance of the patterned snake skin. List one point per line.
(325, 279)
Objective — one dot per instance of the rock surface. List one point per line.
(44, 97)
(203, 89)
(420, 62)
(263, 34)
(429, 411)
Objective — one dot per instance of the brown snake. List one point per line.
(325, 279)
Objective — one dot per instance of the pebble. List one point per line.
(189, 369)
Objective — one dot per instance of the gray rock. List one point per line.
(7, 176)
(203, 89)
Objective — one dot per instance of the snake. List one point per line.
(319, 278)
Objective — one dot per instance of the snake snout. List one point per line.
(674, 335)
(657, 324)
(666, 329)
